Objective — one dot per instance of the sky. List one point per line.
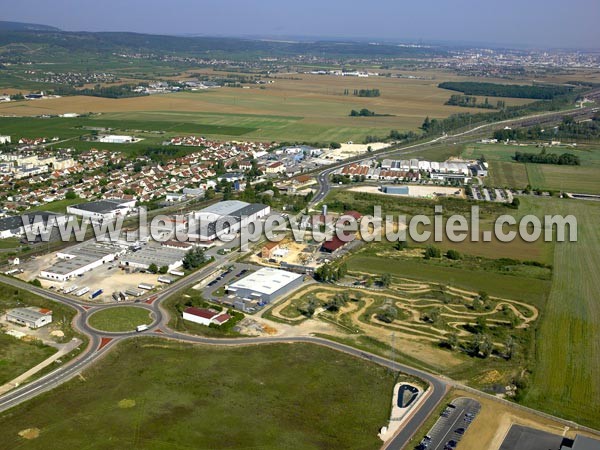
(530, 23)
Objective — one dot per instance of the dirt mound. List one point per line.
(30, 433)
(126, 403)
(491, 377)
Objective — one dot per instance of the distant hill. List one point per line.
(20, 26)
(57, 42)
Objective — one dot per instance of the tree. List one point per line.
(163, 269)
(509, 347)
(385, 280)
(337, 302)
(209, 194)
(452, 340)
(400, 245)
(453, 255)
(227, 192)
(387, 314)
(153, 268)
(481, 345)
(432, 252)
(309, 308)
(482, 324)
(70, 195)
(431, 316)
(194, 258)
(486, 346)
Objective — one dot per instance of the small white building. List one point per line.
(205, 316)
(4, 139)
(32, 317)
(117, 139)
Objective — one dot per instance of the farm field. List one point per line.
(508, 174)
(311, 108)
(151, 393)
(568, 351)
(578, 179)
(119, 319)
(505, 172)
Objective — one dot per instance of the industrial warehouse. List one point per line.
(265, 285)
(224, 218)
(17, 226)
(79, 259)
(102, 210)
(154, 253)
(31, 316)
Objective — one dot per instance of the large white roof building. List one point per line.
(266, 284)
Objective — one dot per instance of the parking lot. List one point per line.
(452, 425)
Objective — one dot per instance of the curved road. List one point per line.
(101, 342)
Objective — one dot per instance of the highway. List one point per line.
(101, 342)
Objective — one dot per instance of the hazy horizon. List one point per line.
(541, 24)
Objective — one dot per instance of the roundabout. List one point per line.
(119, 319)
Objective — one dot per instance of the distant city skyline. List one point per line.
(535, 23)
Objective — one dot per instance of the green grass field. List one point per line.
(579, 179)
(565, 376)
(519, 288)
(16, 356)
(508, 174)
(119, 319)
(505, 172)
(156, 394)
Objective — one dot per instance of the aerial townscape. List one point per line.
(300, 226)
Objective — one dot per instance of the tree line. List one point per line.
(566, 159)
(468, 101)
(540, 92)
(117, 91)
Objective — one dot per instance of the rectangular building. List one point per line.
(266, 284)
(160, 255)
(102, 210)
(32, 317)
(223, 218)
(32, 223)
(205, 316)
(79, 259)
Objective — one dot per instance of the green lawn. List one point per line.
(527, 289)
(17, 356)
(579, 179)
(119, 319)
(9, 243)
(150, 393)
(507, 174)
(565, 376)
